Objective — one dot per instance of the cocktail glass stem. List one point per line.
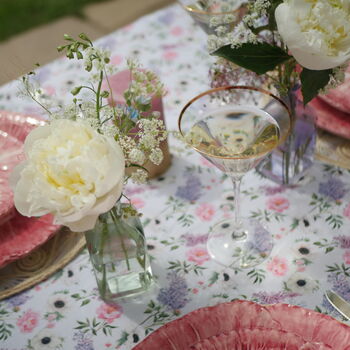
(238, 232)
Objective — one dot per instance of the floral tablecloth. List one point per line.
(310, 224)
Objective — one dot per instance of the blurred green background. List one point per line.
(19, 15)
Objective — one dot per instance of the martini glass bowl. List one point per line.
(235, 127)
(210, 14)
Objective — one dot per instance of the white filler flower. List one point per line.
(71, 171)
(317, 32)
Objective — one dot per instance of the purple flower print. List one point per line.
(340, 284)
(333, 188)
(261, 240)
(175, 296)
(167, 18)
(273, 298)
(130, 191)
(271, 190)
(191, 191)
(192, 240)
(43, 74)
(83, 341)
(18, 299)
(344, 241)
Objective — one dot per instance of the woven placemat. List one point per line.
(40, 263)
(332, 149)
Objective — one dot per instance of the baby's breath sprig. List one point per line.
(132, 124)
(93, 57)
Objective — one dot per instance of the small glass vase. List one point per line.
(118, 253)
(289, 163)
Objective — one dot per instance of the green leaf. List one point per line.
(329, 249)
(105, 94)
(312, 81)
(214, 277)
(76, 90)
(86, 301)
(271, 11)
(259, 58)
(124, 337)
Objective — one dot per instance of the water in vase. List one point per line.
(120, 261)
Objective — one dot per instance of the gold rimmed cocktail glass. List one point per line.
(210, 14)
(235, 127)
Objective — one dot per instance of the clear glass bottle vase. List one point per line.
(289, 163)
(118, 253)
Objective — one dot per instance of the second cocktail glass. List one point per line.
(235, 127)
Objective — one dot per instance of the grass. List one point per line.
(19, 15)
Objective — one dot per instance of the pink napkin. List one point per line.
(333, 109)
(119, 82)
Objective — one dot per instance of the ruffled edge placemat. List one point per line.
(40, 263)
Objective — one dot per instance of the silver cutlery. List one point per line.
(340, 304)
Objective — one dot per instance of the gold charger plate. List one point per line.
(40, 263)
(333, 149)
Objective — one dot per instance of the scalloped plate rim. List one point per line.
(50, 228)
(241, 301)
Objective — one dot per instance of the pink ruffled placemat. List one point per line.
(18, 235)
(246, 325)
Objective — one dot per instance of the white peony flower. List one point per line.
(71, 171)
(317, 32)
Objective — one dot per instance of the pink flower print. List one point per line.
(50, 90)
(176, 31)
(198, 255)
(278, 203)
(278, 266)
(28, 321)
(169, 55)
(346, 211)
(195, 290)
(138, 203)
(109, 312)
(346, 257)
(116, 59)
(206, 162)
(128, 27)
(51, 317)
(205, 211)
